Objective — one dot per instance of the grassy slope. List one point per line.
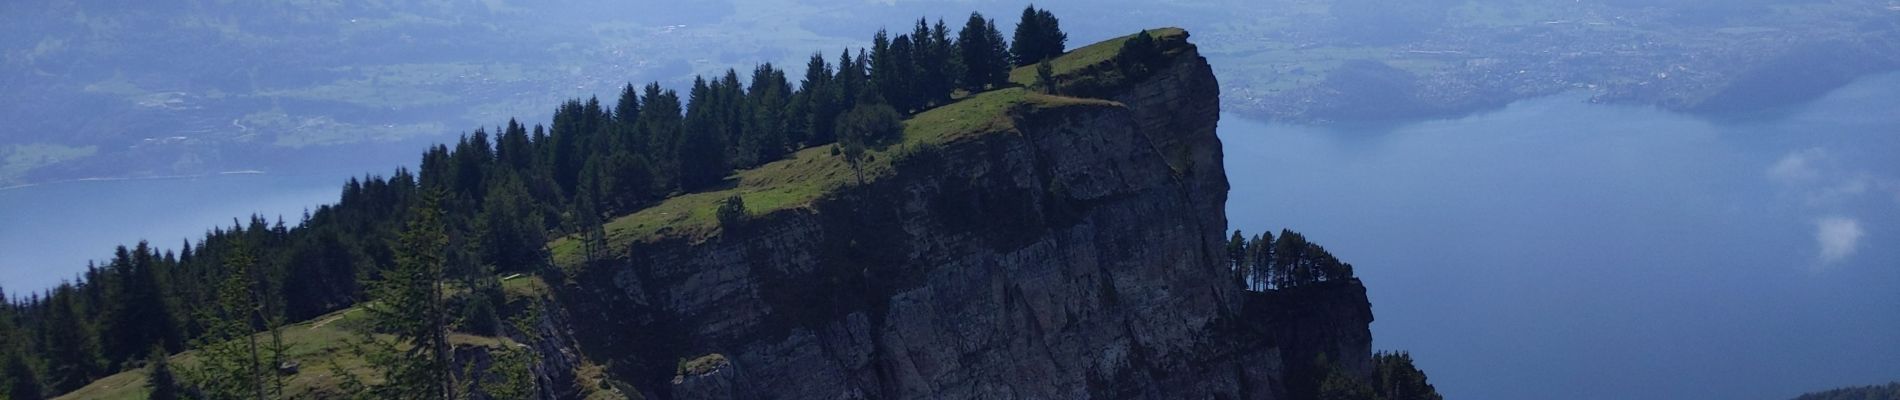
(1079, 60)
(807, 175)
(811, 173)
(314, 345)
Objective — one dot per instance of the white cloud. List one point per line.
(1798, 166)
(1838, 237)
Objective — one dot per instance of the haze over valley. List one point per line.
(1543, 198)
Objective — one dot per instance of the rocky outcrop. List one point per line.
(1075, 256)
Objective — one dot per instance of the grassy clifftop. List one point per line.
(810, 174)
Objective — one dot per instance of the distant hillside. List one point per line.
(1890, 391)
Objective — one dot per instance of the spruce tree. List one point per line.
(22, 382)
(71, 346)
(898, 80)
(160, 383)
(1046, 78)
(1038, 37)
(974, 47)
(924, 88)
(821, 101)
(947, 64)
(1136, 53)
(703, 161)
(766, 137)
(1395, 378)
(229, 364)
(407, 303)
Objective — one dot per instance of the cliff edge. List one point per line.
(1064, 247)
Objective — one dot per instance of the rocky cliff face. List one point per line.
(1074, 257)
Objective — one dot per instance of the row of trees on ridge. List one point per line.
(476, 209)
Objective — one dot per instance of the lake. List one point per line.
(48, 232)
(1561, 249)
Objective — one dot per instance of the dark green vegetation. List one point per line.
(419, 254)
(1888, 391)
(1038, 37)
(1263, 262)
(1393, 378)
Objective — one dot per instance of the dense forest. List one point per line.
(1873, 392)
(423, 251)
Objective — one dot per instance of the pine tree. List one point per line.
(511, 375)
(137, 316)
(70, 345)
(627, 109)
(978, 50)
(851, 81)
(1046, 78)
(1395, 378)
(1260, 262)
(1136, 53)
(1236, 256)
(997, 55)
(924, 88)
(1038, 37)
(766, 137)
(407, 303)
(229, 366)
(21, 381)
(703, 161)
(898, 80)
(891, 70)
(586, 220)
(159, 381)
(946, 63)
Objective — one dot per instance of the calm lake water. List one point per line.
(48, 232)
(1561, 249)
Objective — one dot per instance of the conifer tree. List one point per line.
(407, 303)
(985, 56)
(1046, 78)
(821, 102)
(1395, 378)
(1038, 37)
(22, 382)
(766, 138)
(702, 158)
(70, 345)
(944, 53)
(1236, 256)
(1136, 53)
(160, 383)
(931, 85)
(851, 81)
(898, 79)
(229, 364)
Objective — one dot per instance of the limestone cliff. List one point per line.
(1074, 254)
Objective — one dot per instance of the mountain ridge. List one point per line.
(1075, 255)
